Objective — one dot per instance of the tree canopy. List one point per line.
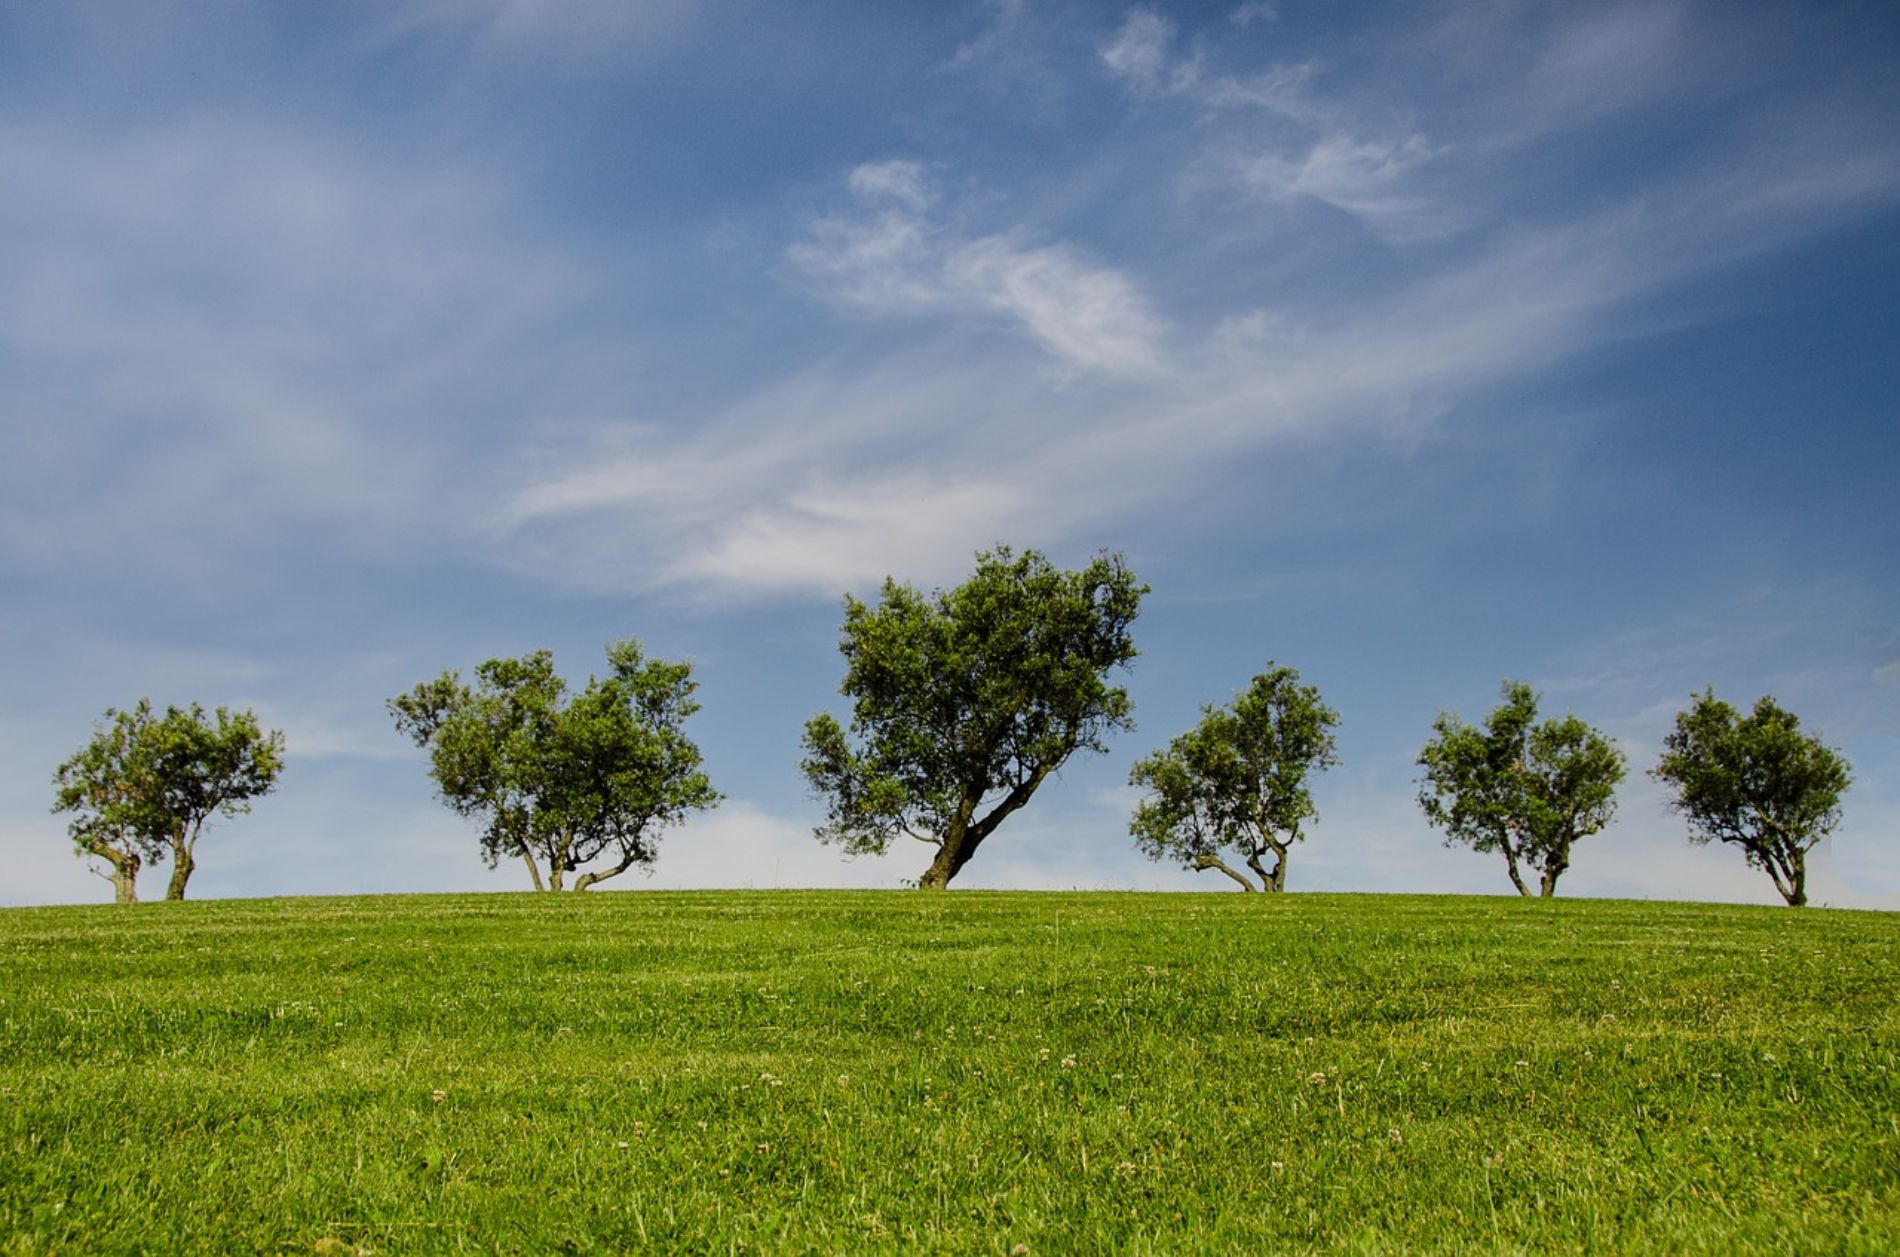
(965, 700)
(1238, 782)
(1515, 786)
(560, 781)
(145, 786)
(1755, 781)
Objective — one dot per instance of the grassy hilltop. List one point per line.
(971, 1072)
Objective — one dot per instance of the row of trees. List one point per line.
(1529, 790)
(963, 702)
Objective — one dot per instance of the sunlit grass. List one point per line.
(967, 1072)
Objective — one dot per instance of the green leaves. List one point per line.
(559, 780)
(1756, 781)
(963, 701)
(1237, 782)
(1525, 789)
(146, 785)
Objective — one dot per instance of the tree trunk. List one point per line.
(964, 838)
(1788, 874)
(125, 872)
(534, 870)
(1210, 861)
(1510, 863)
(1273, 882)
(591, 878)
(951, 857)
(183, 862)
(554, 876)
(1797, 892)
(1553, 869)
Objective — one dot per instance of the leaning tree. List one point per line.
(1755, 781)
(563, 781)
(1237, 783)
(1518, 787)
(965, 700)
(145, 786)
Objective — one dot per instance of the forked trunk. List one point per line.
(965, 836)
(125, 872)
(1273, 882)
(1553, 869)
(1797, 892)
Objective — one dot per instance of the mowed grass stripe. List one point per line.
(830, 1071)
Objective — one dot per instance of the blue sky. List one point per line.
(1413, 345)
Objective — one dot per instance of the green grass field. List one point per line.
(970, 1072)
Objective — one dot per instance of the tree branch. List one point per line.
(1208, 860)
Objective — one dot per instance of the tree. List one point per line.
(1238, 781)
(146, 786)
(1526, 789)
(1756, 781)
(559, 781)
(964, 701)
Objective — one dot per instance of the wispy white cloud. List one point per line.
(1315, 149)
(892, 256)
(1369, 179)
(1141, 53)
(817, 483)
(903, 182)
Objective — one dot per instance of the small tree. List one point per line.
(146, 786)
(1525, 789)
(1756, 781)
(1237, 782)
(966, 700)
(563, 782)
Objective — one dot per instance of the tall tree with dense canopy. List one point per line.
(964, 701)
(1238, 781)
(1756, 781)
(1515, 786)
(145, 786)
(560, 781)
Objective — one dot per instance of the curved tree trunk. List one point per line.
(1511, 864)
(1797, 891)
(125, 872)
(1208, 860)
(591, 878)
(534, 870)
